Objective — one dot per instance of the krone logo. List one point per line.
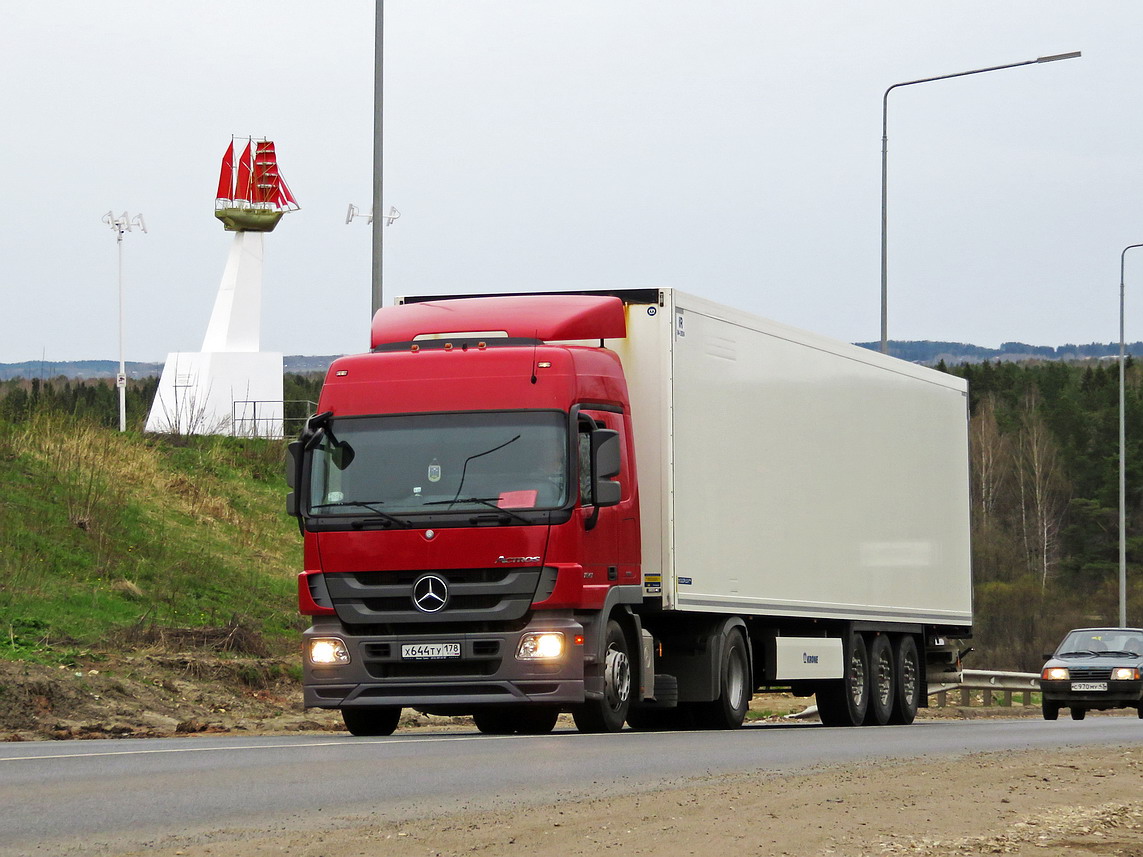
(430, 593)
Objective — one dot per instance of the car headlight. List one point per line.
(325, 651)
(541, 645)
(1055, 674)
(1125, 674)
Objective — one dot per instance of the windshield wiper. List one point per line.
(1125, 652)
(1080, 653)
(371, 506)
(487, 501)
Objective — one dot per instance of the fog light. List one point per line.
(1125, 674)
(541, 645)
(328, 650)
(1055, 674)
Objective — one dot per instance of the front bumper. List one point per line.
(1119, 694)
(486, 673)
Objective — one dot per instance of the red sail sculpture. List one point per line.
(252, 195)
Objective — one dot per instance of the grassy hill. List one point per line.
(109, 540)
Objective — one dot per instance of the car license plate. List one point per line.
(430, 651)
(1089, 685)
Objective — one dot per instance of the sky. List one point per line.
(727, 148)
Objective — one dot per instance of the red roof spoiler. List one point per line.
(544, 317)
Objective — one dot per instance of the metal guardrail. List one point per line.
(987, 682)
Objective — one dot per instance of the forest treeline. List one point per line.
(1045, 474)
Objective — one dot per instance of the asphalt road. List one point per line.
(73, 797)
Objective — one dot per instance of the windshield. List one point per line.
(437, 463)
(1096, 641)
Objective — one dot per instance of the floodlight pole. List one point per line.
(885, 161)
(122, 224)
(1122, 451)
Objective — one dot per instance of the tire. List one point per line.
(1139, 711)
(609, 713)
(882, 681)
(371, 722)
(843, 702)
(1051, 710)
(734, 687)
(1078, 713)
(516, 719)
(907, 664)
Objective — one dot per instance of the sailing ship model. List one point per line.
(252, 195)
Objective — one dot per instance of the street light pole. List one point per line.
(378, 159)
(122, 224)
(884, 171)
(1122, 451)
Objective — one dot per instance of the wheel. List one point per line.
(1078, 713)
(516, 719)
(1139, 711)
(609, 713)
(882, 683)
(729, 710)
(1051, 710)
(843, 702)
(907, 666)
(371, 721)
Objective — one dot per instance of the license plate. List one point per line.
(430, 651)
(1089, 685)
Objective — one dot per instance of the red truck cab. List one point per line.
(469, 506)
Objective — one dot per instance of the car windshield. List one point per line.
(437, 463)
(1099, 641)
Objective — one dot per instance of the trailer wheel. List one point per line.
(729, 710)
(371, 721)
(843, 702)
(882, 682)
(1050, 709)
(907, 699)
(609, 713)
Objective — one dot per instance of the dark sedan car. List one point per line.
(1094, 668)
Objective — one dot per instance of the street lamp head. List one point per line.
(1055, 57)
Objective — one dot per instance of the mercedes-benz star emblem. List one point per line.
(430, 593)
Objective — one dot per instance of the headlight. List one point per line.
(328, 650)
(1125, 674)
(1055, 674)
(541, 645)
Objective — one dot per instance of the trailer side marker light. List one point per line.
(415, 348)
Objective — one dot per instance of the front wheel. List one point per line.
(609, 713)
(371, 722)
(1078, 713)
(1050, 709)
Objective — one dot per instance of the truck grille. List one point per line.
(487, 595)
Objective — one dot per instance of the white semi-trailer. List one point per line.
(743, 506)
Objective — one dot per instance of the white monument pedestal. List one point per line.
(220, 392)
(230, 387)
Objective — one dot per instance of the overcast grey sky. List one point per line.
(728, 148)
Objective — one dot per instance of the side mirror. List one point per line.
(605, 452)
(293, 476)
